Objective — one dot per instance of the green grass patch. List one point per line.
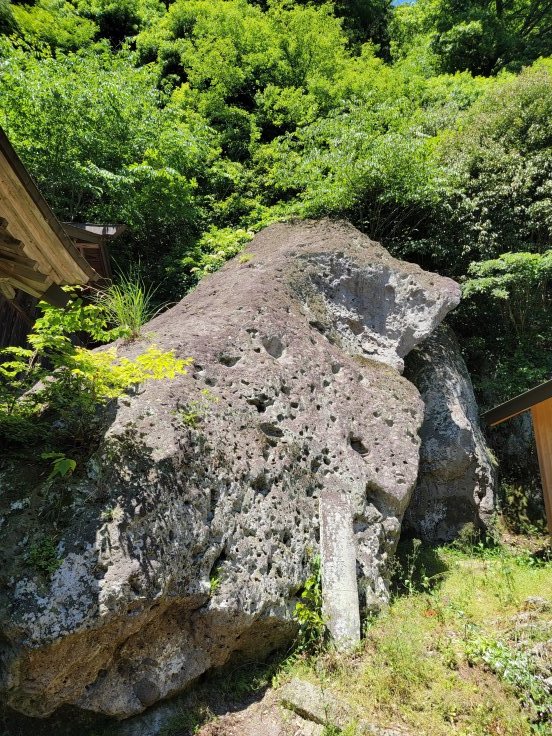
(451, 654)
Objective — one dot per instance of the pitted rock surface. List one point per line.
(456, 479)
(212, 480)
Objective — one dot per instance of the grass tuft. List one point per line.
(129, 303)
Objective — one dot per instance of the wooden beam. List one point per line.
(28, 285)
(8, 240)
(518, 404)
(6, 289)
(542, 425)
(27, 271)
(15, 256)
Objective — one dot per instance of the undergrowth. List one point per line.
(452, 653)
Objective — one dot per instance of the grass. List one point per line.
(129, 304)
(449, 656)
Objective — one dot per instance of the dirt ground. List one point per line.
(262, 718)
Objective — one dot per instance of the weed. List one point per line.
(516, 668)
(128, 304)
(62, 466)
(111, 513)
(308, 611)
(215, 581)
(43, 556)
(416, 568)
(187, 721)
(193, 412)
(245, 257)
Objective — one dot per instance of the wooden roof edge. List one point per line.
(15, 162)
(92, 232)
(518, 404)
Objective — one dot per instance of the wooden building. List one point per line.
(539, 402)
(91, 240)
(36, 254)
(39, 255)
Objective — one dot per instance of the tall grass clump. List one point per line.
(129, 303)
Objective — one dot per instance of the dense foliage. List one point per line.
(196, 122)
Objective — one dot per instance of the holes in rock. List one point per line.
(356, 327)
(271, 430)
(389, 422)
(273, 346)
(318, 326)
(358, 446)
(261, 403)
(217, 564)
(260, 484)
(229, 360)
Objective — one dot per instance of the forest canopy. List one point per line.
(197, 122)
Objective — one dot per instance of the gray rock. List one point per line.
(456, 479)
(213, 479)
(537, 603)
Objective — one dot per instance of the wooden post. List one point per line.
(542, 425)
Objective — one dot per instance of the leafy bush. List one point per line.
(308, 612)
(73, 381)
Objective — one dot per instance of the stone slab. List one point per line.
(338, 551)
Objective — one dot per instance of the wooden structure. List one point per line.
(36, 254)
(539, 402)
(91, 241)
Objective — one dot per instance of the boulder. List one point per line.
(456, 478)
(193, 525)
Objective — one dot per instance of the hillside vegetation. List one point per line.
(197, 122)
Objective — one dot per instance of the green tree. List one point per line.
(481, 36)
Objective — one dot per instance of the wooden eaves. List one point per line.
(36, 254)
(539, 401)
(92, 239)
(518, 404)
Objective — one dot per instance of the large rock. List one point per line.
(456, 478)
(209, 484)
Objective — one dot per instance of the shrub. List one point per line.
(73, 381)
